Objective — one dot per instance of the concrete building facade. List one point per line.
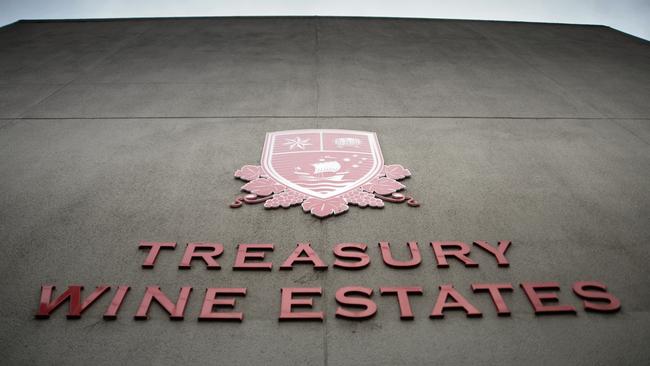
(117, 132)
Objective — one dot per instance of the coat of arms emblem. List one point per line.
(323, 170)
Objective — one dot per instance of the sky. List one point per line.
(629, 16)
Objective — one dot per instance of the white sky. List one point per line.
(630, 16)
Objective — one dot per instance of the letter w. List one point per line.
(73, 293)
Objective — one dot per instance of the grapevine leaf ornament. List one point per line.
(396, 172)
(325, 207)
(382, 185)
(382, 188)
(249, 172)
(263, 186)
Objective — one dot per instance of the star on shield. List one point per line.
(297, 142)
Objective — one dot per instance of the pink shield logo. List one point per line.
(324, 171)
(322, 163)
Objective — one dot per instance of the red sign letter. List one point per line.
(311, 257)
(495, 294)
(114, 307)
(459, 303)
(582, 289)
(405, 311)
(387, 255)
(288, 302)
(460, 253)
(362, 258)
(175, 310)
(537, 300)
(243, 254)
(498, 253)
(73, 293)
(153, 252)
(369, 306)
(211, 301)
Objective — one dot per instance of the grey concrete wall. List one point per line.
(116, 132)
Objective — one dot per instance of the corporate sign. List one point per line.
(355, 301)
(325, 171)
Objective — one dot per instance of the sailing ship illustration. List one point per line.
(326, 167)
(324, 171)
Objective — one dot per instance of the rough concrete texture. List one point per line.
(114, 132)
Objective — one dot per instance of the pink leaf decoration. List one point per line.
(263, 186)
(370, 186)
(249, 172)
(396, 171)
(325, 207)
(382, 185)
(285, 199)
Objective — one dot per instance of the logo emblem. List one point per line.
(324, 170)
